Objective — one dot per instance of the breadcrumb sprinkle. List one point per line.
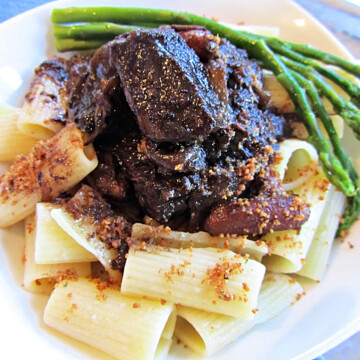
(218, 276)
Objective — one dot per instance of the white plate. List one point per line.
(329, 313)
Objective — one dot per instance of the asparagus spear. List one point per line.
(352, 89)
(328, 125)
(140, 16)
(72, 45)
(98, 31)
(348, 111)
(123, 15)
(326, 58)
(351, 213)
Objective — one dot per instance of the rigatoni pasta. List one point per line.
(12, 141)
(206, 332)
(52, 244)
(45, 107)
(126, 327)
(177, 239)
(288, 248)
(210, 279)
(319, 252)
(297, 161)
(85, 235)
(51, 167)
(41, 278)
(221, 285)
(300, 173)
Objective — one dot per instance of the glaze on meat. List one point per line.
(166, 86)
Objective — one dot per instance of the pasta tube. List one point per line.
(12, 141)
(177, 239)
(44, 111)
(206, 332)
(297, 161)
(209, 279)
(85, 235)
(288, 248)
(52, 244)
(42, 278)
(319, 252)
(298, 168)
(53, 166)
(128, 328)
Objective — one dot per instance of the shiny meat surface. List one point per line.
(88, 204)
(166, 86)
(109, 182)
(78, 70)
(90, 102)
(257, 216)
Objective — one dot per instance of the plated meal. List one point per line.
(177, 180)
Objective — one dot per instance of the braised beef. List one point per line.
(107, 179)
(78, 70)
(162, 194)
(200, 40)
(258, 215)
(87, 203)
(185, 132)
(167, 86)
(90, 100)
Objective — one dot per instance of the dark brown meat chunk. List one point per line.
(166, 86)
(257, 216)
(200, 40)
(162, 193)
(90, 100)
(109, 182)
(88, 204)
(78, 71)
(179, 183)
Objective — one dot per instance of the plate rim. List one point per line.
(354, 326)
